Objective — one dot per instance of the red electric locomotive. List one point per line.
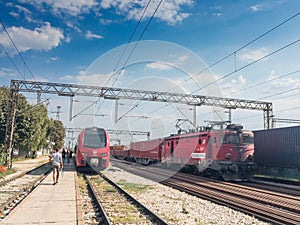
(92, 149)
(223, 153)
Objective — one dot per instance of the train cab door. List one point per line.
(211, 149)
(172, 148)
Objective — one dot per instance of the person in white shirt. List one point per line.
(56, 160)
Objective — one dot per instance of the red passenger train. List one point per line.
(92, 149)
(223, 153)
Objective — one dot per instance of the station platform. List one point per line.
(48, 203)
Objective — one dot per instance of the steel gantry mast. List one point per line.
(72, 90)
(115, 131)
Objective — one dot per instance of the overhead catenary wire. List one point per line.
(122, 54)
(130, 39)
(234, 53)
(12, 61)
(250, 64)
(136, 43)
(264, 97)
(17, 50)
(19, 54)
(134, 47)
(237, 50)
(264, 82)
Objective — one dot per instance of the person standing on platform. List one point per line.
(70, 154)
(63, 153)
(56, 159)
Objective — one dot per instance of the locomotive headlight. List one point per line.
(228, 156)
(103, 154)
(85, 154)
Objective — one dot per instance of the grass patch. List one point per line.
(132, 187)
(128, 219)
(8, 172)
(105, 186)
(124, 209)
(109, 188)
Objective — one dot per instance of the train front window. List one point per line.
(94, 139)
(231, 139)
(247, 139)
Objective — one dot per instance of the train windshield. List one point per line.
(247, 139)
(231, 139)
(94, 138)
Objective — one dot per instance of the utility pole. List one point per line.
(10, 126)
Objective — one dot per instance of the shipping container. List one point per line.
(278, 147)
(277, 153)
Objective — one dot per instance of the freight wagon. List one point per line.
(119, 152)
(277, 152)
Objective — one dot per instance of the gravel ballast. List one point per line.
(179, 208)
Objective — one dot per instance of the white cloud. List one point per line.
(14, 14)
(169, 10)
(105, 21)
(250, 56)
(82, 78)
(90, 35)
(68, 78)
(42, 38)
(283, 83)
(233, 86)
(255, 8)
(159, 66)
(52, 59)
(5, 72)
(23, 9)
(72, 7)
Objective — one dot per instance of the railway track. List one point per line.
(117, 206)
(271, 186)
(14, 190)
(270, 206)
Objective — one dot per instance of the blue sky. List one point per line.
(81, 41)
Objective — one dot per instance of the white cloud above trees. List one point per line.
(42, 38)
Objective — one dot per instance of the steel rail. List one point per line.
(93, 192)
(259, 206)
(157, 218)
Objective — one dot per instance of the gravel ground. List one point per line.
(179, 208)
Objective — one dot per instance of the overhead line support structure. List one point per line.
(115, 132)
(71, 90)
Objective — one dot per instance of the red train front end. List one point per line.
(93, 149)
(232, 157)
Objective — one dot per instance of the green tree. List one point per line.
(4, 98)
(56, 133)
(33, 128)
